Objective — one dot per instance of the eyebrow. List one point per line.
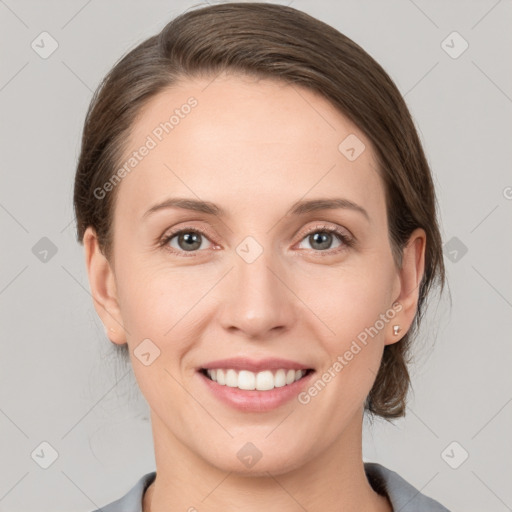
(298, 208)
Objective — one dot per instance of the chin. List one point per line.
(248, 460)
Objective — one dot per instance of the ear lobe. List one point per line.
(410, 276)
(103, 288)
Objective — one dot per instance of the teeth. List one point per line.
(261, 381)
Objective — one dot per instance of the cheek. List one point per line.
(157, 305)
(353, 309)
(357, 306)
(155, 300)
(351, 301)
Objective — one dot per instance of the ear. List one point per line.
(103, 288)
(409, 279)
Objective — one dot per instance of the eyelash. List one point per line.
(347, 241)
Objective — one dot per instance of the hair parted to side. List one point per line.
(273, 41)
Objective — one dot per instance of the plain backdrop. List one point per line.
(62, 391)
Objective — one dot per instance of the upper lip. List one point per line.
(252, 365)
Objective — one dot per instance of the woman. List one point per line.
(259, 225)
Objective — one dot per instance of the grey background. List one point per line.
(60, 381)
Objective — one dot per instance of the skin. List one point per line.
(253, 147)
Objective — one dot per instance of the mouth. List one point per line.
(255, 392)
(255, 385)
(264, 380)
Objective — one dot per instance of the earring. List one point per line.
(111, 329)
(396, 329)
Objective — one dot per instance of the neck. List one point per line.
(333, 480)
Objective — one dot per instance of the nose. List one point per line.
(260, 303)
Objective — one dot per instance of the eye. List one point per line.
(321, 238)
(187, 240)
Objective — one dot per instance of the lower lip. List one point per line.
(254, 400)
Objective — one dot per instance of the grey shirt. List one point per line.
(402, 495)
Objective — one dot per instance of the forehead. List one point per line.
(246, 143)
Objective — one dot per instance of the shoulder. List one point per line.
(402, 495)
(132, 500)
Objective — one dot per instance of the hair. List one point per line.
(273, 41)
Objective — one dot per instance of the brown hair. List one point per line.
(276, 42)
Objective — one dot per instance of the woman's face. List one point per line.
(261, 278)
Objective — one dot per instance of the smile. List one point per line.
(258, 391)
(260, 381)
